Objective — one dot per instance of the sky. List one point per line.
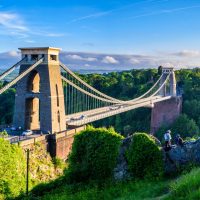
(100, 34)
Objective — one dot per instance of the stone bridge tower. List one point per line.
(164, 113)
(39, 101)
(172, 81)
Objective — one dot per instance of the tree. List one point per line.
(188, 109)
(185, 126)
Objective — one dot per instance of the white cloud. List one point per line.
(12, 21)
(114, 62)
(9, 55)
(30, 41)
(187, 53)
(54, 34)
(134, 61)
(78, 57)
(7, 59)
(14, 25)
(109, 60)
(13, 53)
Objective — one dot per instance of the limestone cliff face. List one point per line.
(41, 165)
(175, 159)
(178, 157)
(121, 169)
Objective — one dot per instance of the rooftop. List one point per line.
(40, 48)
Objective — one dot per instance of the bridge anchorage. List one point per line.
(51, 98)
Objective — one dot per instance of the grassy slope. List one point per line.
(186, 187)
(127, 190)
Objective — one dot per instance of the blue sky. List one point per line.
(104, 34)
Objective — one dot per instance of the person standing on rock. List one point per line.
(179, 141)
(167, 137)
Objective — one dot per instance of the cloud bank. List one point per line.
(115, 62)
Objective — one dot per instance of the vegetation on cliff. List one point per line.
(94, 154)
(144, 157)
(13, 168)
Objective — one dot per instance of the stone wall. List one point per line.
(165, 113)
(58, 145)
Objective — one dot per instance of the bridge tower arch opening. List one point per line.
(32, 114)
(39, 95)
(33, 83)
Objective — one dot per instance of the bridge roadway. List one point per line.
(77, 119)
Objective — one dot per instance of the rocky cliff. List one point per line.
(175, 159)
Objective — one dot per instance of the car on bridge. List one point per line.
(78, 118)
(115, 107)
(27, 133)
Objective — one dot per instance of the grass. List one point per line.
(140, 190)
(186, 186)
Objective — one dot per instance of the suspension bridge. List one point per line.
(50, 98)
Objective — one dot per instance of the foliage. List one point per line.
(12, 170)
(188, 109)
(58, 163)
(3, 133)
(185, 127)
(187, 186)
(94, 154)
(42, 167)
(7, 100)
(144, 157)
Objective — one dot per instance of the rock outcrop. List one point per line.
(121, 169)
(179, 157)
(175, 159)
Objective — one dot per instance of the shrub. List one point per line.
(3, 134)
(185, 127)
(12, 170)
(94, 154)
(58, 163)
(144, 157)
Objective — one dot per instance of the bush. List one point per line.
(12, 170)
(185, 127)
(3, 134)
(58, 163)
(144, 157)
(94, 154)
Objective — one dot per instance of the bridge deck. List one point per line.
(101, 113)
